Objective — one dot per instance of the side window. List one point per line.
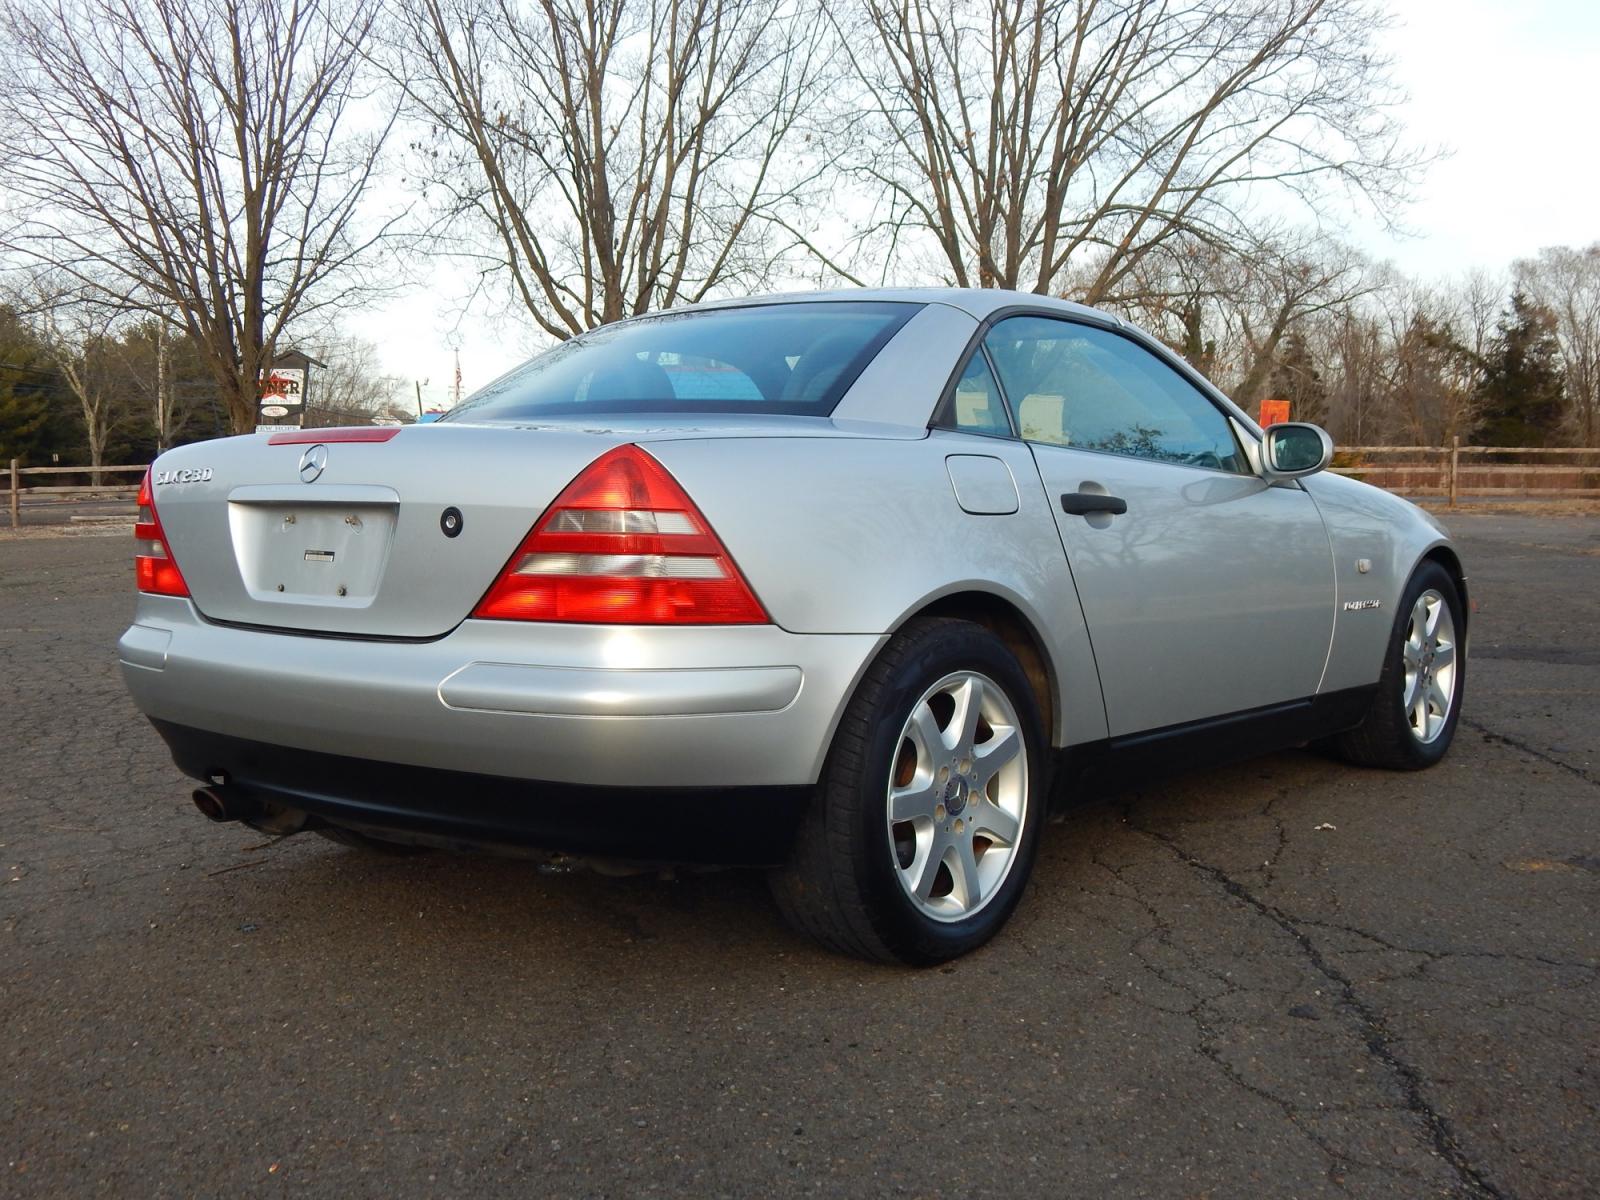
(976, 406)
(1085, 387)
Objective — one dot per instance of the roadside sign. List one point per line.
(283, 397)
(1273, 412)
(288, 384)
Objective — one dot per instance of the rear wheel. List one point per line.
(1418, 703)
(923, 831)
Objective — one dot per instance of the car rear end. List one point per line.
(500, 630)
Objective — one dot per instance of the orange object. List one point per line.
(1273, 412)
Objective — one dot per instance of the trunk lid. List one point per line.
(368, 546)
(260, 546)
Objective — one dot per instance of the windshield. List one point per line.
(773, 358)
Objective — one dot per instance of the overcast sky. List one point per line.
(1509, 90)
(1512, 91)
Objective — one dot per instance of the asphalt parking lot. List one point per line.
(39, 511)
(1285, 978)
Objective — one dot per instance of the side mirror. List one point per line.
(1295, 448)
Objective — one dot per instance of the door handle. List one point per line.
(1082, 504)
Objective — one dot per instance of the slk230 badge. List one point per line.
(1360, 605)
(186, 475)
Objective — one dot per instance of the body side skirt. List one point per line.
(1112, 763)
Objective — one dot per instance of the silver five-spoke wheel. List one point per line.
(1429, 656)
(958, 796)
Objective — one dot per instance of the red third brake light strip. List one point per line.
(624, 545)
(342, 433)
(154, 567)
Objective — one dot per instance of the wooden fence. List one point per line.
(1449, 472)
(1489, 472)
(97, 486)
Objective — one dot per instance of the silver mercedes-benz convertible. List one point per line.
(834, 584)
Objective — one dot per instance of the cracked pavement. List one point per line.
(1287, 977)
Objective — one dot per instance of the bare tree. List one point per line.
(1405, 360)
(1282, 283)
(349, 386)
(168, 377)
(1025, 137)
(623, 155)
(1427, 401)
(193, 159)
(1567, 282)
(1182, 294)
(1235, 307)
(80, 342)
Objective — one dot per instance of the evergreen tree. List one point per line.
(1295, 378)
(35, 413)
(1522, 386)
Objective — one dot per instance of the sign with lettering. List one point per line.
(283, 397)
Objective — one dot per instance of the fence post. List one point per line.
(16, 483)
(1455, 461)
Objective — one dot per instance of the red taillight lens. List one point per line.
(623, 545)
(153, 566)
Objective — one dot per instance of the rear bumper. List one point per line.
(594, 706)
(712, 826)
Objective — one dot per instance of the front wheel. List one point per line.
(919, 842)
(1418, 702)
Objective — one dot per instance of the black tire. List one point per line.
(840, 886)
(1385, 738)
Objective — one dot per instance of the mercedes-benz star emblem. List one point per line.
(312, 462)
(955, 795)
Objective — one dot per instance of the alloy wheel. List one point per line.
(1429, 657)
(957, 796)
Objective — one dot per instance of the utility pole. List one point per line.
(161, 387)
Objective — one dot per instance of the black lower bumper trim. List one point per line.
(740, 826)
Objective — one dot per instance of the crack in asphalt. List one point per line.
(1541, 755)
(1441, 955)
(1209, 1034)
(1377, 1039)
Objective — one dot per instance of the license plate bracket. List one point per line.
(327, 553)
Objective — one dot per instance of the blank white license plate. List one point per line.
(333, 552)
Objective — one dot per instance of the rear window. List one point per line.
(771, 358)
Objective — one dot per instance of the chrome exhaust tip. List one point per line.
(223, 804)
(210, 802)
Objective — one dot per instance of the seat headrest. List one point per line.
(627, 379)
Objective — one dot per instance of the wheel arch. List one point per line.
(1013, 627)
(1444, 554)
